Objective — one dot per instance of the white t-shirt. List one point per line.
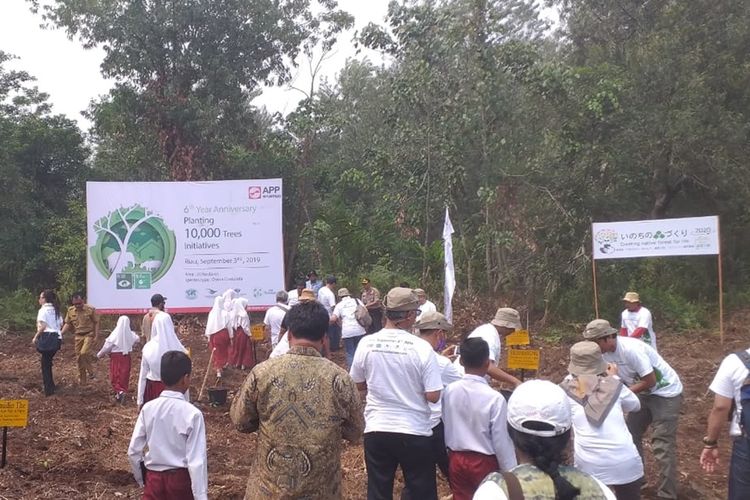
(426, 307)
(281, 348)
(54, 322)
(476, 419)
(327, 298)
(639, 319)
(489, 334)
(727, 382)
(607, 452)
(345, 311)
(492, 491)
(636, 359)
(293, 297)
(274, 317)
(399, 368)
(448, 374)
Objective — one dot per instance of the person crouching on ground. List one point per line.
(539, 422)
(475, 417)
(174, 432)
(604, 447)
(118, 345)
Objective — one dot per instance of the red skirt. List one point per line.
(119, 371)
(466, 470)
(243, 350)
(153, 389)
(168, 485)
(220, 341)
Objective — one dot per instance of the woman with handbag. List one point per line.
(48, 338)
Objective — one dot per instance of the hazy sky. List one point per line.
(70, 74)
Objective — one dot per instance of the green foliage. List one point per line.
(18, 310)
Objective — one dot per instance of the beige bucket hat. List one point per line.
(507, 317)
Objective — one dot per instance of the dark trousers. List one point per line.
(384, 451)
(334, 337)
(47, 380)
(350, 346)
(168, 485)
(440, 452)
(377, 320)
(739, 469)
(630, 491)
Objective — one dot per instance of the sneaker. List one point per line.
(120, 398)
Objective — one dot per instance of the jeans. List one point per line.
(739, 469)
(350, 346)
(47, 380)
(384, 451)
(334, 337)
(662, 415)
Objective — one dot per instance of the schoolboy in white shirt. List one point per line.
(475, 418)
(173, 430)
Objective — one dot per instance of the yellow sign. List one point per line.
(14, 412)
(258, 333)
(523, 359)
(519, 337)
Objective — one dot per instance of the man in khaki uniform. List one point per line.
(371, 299)
(302, 405)
(157, 305)
(83, 320)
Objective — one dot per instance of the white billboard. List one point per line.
(656, 238)
(185, 240)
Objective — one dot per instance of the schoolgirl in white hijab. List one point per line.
(219, 333)
(163, 339)
(118, 345)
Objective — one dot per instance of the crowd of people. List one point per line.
(427, 405)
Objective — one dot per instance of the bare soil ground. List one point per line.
(75, 444)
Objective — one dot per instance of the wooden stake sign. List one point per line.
(13, 413)
(523, 359)
(519, 337)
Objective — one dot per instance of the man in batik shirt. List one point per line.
(301, 404)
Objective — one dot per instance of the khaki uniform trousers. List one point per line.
(85, 355)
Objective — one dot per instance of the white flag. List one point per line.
(450, 272)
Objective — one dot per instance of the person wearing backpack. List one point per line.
(345, 314)
(731, 388)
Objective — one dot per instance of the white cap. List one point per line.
(539, 401)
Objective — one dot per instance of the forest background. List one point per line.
(626, 110)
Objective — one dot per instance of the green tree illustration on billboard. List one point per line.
(133, 240)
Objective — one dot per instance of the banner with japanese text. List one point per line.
(188, 241)
(656, 238)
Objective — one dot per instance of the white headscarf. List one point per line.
(122, 337)
(240, 319)
(163, 339)
(228, 297)
(218, 318)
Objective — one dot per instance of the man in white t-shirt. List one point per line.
(636, 320)
(733, 373)
(658, 387)
(345, 316)
(424, 304)
(274, 316)
(505, 322)
(401, 375)
(327, 297)
(293, 295)
(432, 327)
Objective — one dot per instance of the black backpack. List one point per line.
(745, 395)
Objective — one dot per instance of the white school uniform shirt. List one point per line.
(639, 319)
(345, 311)
(175, 434)
(163, 339)
(448, 374)
(607, 452)
(120, 340)
(635, 359)
(281, 348)
(488, 333)
(328, 299)
(53, 321)
(475, 417)
(273, 318)
(727, 382)
(399, 368)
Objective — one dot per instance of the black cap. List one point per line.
(330, 279)
(300, 282)
(311, 273)
(157, 299)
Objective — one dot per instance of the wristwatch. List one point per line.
(710, 442)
